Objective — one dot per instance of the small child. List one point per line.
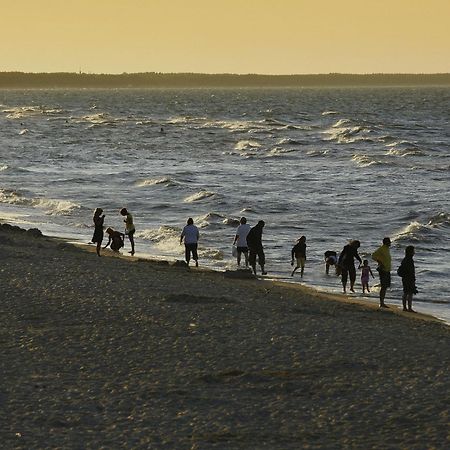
(365, 272)
(115, 238)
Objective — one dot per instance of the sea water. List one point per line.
(331, 164)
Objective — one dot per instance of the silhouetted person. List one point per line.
(241, 239)
(191, 236)
(347, 263)
(299, 253)
(255, 247)
(382, 256)
(408, 273)
(98, 220)
(129, 227)
(366, 271)
(115, 238)
(331, 259)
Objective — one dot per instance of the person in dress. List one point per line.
(129, 227)
(241, 240)
(255, 247)
(407, 272)
(298, 253)
(190, 235)
(347, 264)
(98, 220)
(366, 271)
(383, 257)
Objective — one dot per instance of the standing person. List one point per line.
(241, 239)
(365, 272)
(383, 257)
(129, 227)
(191, 236)
(408, 273)
(98, 220)
(347, 263)
(331, 259)
(299, 253)
(255, 247)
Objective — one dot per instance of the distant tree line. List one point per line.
(168, 80)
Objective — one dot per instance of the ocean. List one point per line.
(333, 164)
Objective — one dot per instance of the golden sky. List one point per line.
(225, 36)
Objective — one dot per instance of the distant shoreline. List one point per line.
(23, 80)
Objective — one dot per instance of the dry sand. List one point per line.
(114, 352)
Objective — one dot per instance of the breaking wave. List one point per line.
(155, 181)
(201, 195)
(426, 232)
(52, 206)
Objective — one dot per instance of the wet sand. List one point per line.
(118, 352)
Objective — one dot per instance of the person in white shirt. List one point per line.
(241, 240)
(190, 235)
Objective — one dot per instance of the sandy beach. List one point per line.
(120, 352)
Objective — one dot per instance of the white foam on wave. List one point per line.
(246, 145)
(201, 195)
(52, 206)
(279, 151)
(329, 113)
(416, 231)
(165, 238)
(364, 160)
(3, 167)
(317, 152)
(403, 152)
(24, 131)
(288, 141)
(20, 112)
(155, 181)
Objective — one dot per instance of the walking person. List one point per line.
(98, 220)
(382, 256)
(299, 253)
(241, 239)
(408, 273)
(255, 247)
(347, 264)
(129, 227)
(191, 236)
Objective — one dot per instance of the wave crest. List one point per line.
(52, 206)
(154, 181)
(201, 195)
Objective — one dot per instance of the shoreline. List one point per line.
(124, 352)
(312, 291)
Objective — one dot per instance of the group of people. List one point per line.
(248, 242)
(115, 238)
(345, 267)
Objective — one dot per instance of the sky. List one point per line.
(225, 36)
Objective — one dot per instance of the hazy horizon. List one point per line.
(291, 37)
